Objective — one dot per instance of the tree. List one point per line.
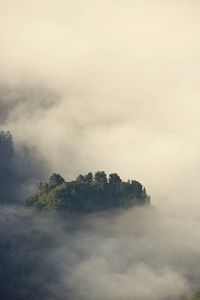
(136, 188)
(86, 194)
(80, 179)
(89, 177)
(7, 167)
(115, 182)
(100, 181)
(100, 177)
(114, 179)
(55, 179)
(6, 148)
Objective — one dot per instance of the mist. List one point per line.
(127, 78)
(135, 254)
(114, 86)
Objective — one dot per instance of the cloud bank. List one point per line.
(111, 85)
(127, 79)
(135, 254)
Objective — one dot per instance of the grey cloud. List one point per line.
(135, 254)
(19, 102)
(127, 78)
(126, 82)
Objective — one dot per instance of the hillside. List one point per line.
(89, 193)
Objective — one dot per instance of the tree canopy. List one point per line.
(88, 193)
(7, 176)
(6, 148)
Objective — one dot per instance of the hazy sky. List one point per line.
(127, 76)
(115, 86)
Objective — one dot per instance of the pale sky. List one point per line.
(128, 77)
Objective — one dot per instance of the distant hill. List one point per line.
(88, 193)
(20, 169)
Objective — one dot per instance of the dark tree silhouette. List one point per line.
(88, 193)
(19, 170)
(55, 179)
(7, 176)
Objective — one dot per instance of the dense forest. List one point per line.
(20, 170)
(89, 193)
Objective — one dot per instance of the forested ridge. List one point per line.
(25, 265)
(89, 193)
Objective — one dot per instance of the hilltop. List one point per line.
(88, 193)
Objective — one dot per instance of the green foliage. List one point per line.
(89, 177)
(88, 193)
(55, 179)
(100, 178)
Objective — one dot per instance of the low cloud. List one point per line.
(131, 254)
(112, 86)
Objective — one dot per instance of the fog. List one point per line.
(135, 254)
(127, 74)
(114, 86)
